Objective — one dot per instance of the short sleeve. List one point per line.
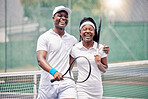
(75, 41)
(41, 43)
(73, 52)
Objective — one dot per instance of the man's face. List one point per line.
(60, 19)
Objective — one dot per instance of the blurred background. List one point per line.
(124, 30)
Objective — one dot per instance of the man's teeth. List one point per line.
(62, 21)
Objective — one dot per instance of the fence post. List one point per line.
(35, 86)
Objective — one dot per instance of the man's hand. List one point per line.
(58, 76)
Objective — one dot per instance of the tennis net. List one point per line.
(19, 85)
(126, 80)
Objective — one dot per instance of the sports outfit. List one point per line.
(92, 88)
(58, 50)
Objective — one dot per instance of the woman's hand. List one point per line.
(97, 58)
(102, 63)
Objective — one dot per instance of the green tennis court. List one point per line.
(126, 91)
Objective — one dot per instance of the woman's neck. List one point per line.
(88, 44)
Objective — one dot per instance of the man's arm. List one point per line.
(41, 58)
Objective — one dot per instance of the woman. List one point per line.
(92, 88)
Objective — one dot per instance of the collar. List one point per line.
(52, 32)
(80, 46)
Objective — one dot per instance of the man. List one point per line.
(53, 50)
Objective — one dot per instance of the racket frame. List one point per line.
(69, 70)
(99, 31)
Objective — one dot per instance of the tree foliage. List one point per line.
(41, 10)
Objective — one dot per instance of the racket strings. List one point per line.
(82, 73)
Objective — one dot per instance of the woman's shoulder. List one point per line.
(77, 45)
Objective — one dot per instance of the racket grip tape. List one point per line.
(52, 80)
(52, 71)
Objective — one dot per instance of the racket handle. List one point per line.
(52, 80)
(97, 51)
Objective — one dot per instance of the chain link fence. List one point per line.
(124, 28)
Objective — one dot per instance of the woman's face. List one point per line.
(87, 32)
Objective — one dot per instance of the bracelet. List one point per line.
(52, 71)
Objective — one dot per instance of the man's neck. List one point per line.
(59, 31)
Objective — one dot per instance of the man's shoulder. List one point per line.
(45, 34)
(71, 37)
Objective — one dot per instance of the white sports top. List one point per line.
(58, 50)
(94, 83)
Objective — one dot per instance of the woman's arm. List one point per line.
(102, 63)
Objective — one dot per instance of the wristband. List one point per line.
(52, 71)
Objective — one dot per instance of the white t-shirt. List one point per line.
(58, 51)
(93, 85)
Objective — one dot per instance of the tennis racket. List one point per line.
(78, 74)
(99, 30)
